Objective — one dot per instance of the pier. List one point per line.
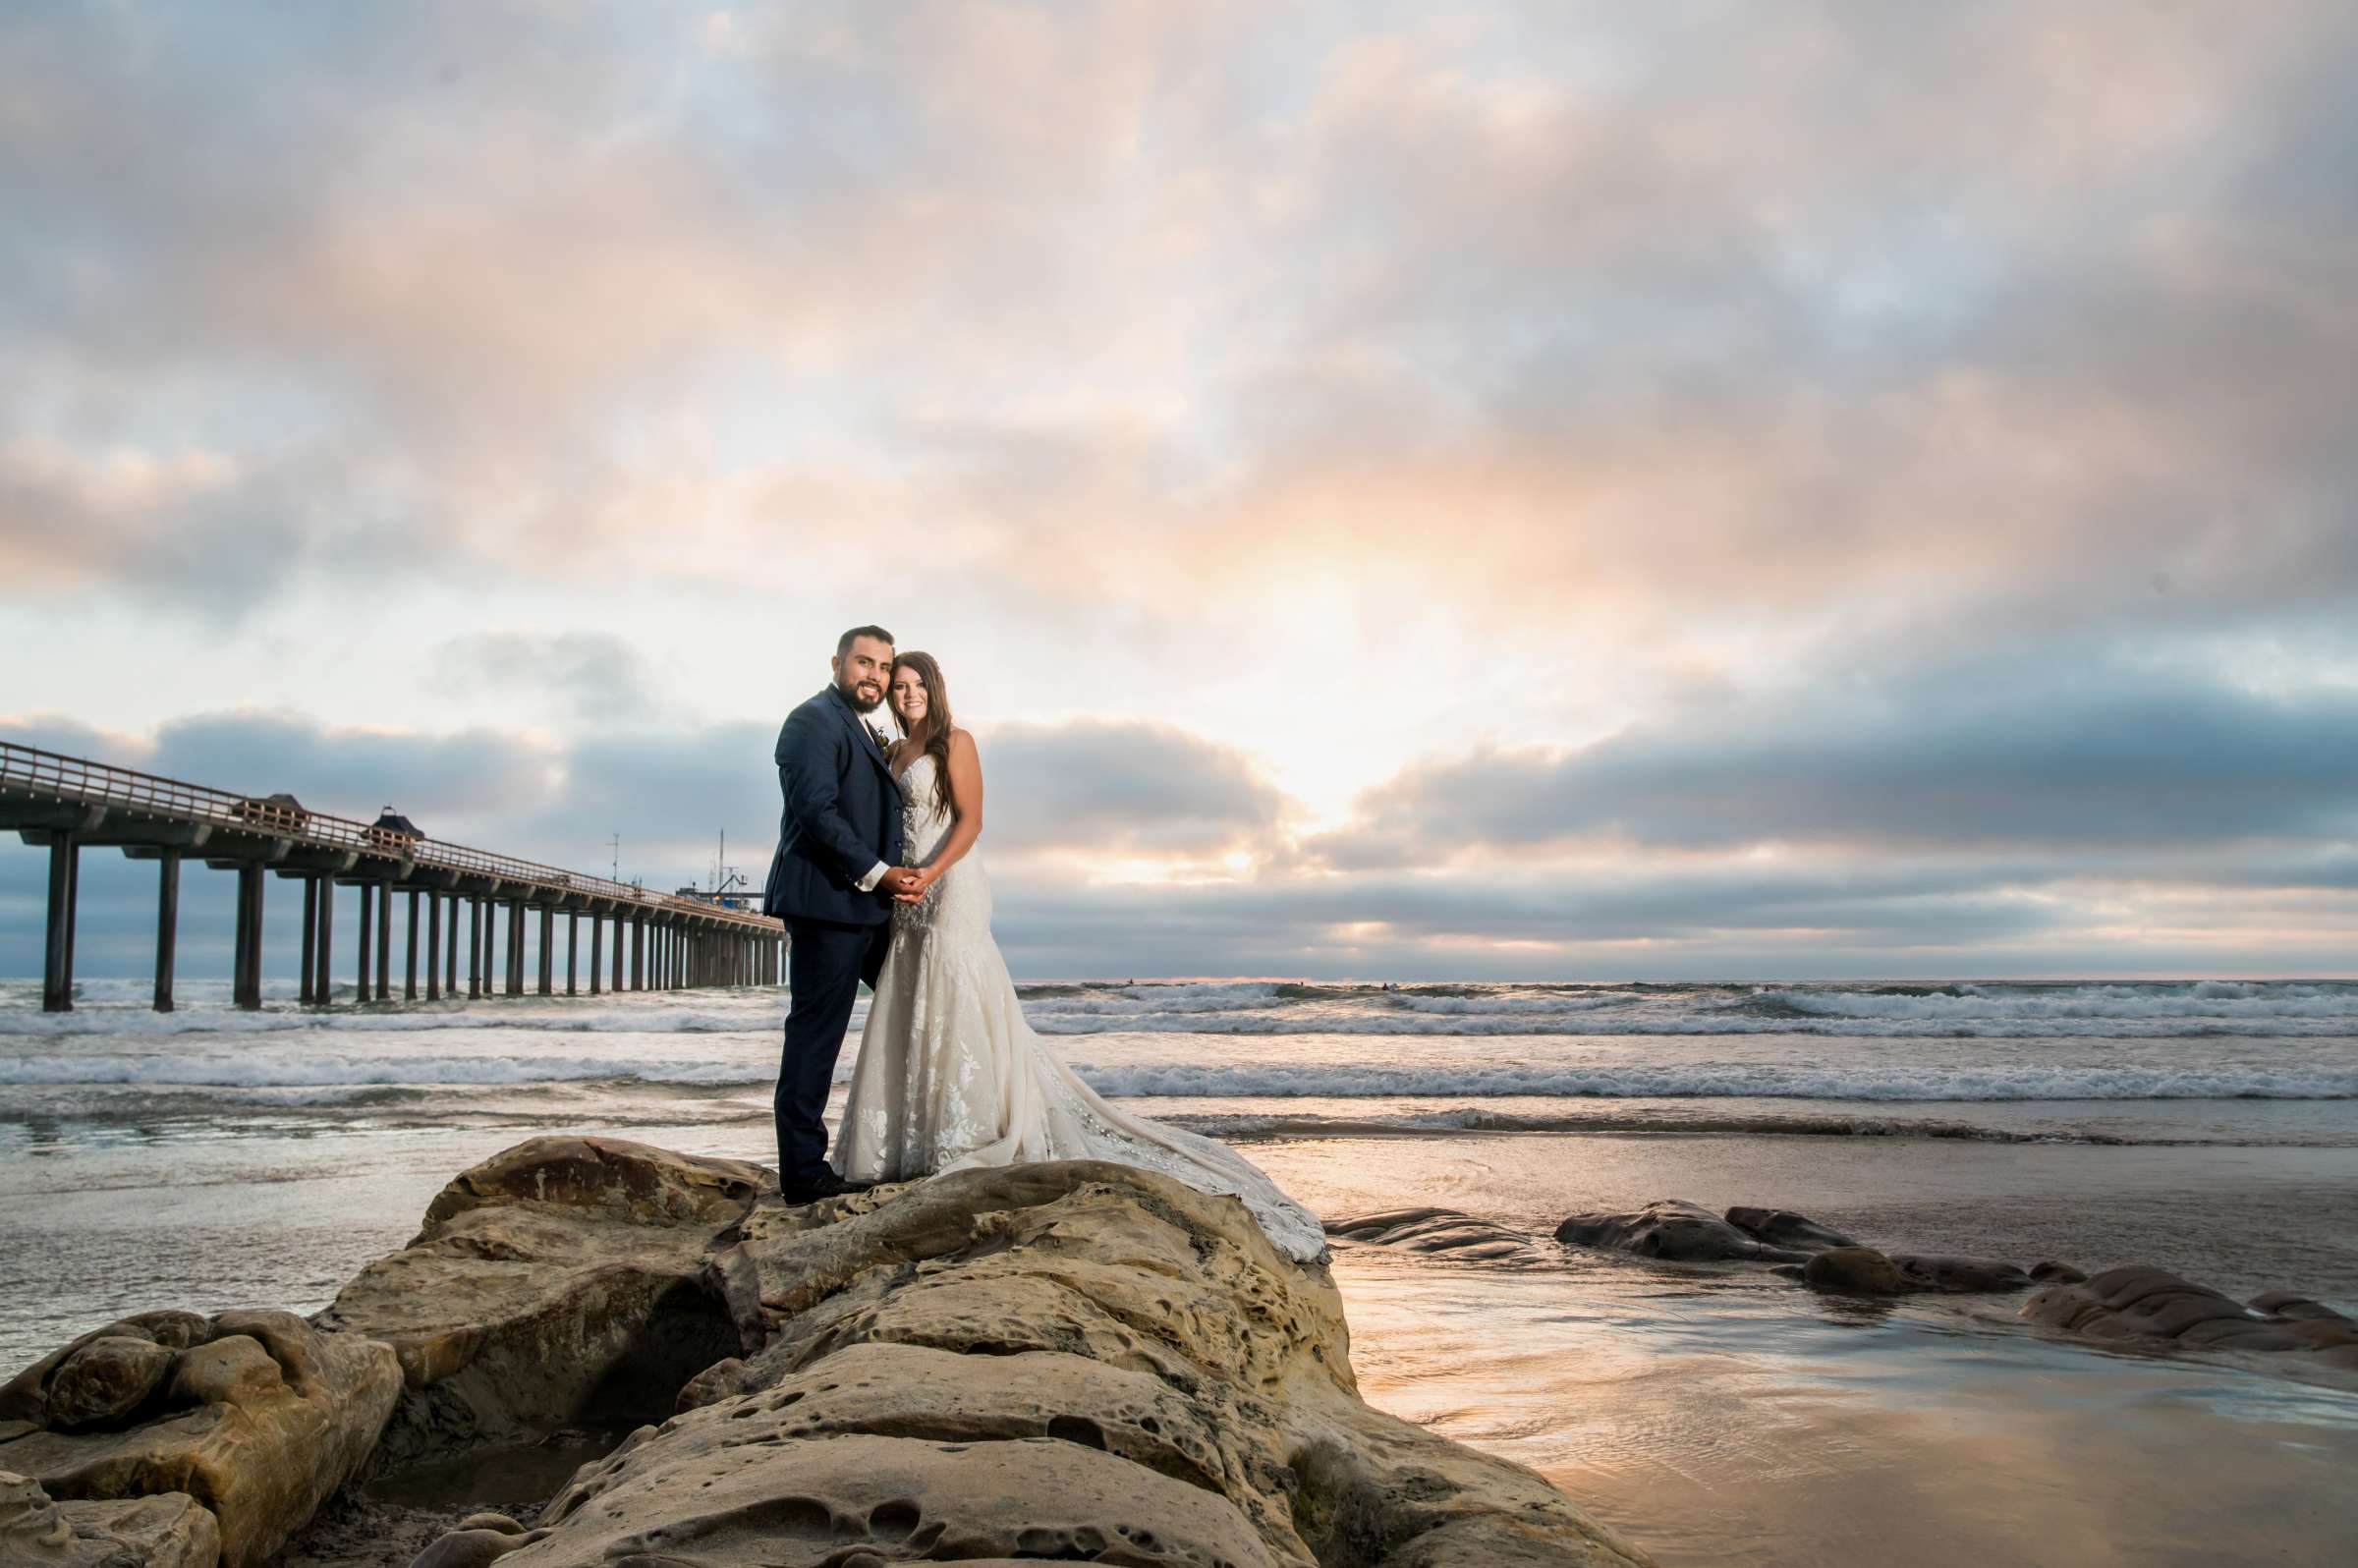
(473, 902)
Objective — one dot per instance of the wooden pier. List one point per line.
(70, 804)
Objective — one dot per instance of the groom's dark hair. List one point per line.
(843, 643)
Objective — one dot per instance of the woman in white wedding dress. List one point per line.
(950, 1076)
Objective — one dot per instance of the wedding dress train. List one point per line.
(950, 1075)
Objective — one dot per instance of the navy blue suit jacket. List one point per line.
(843, 815)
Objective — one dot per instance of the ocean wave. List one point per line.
(2160, 1026)
(1713, 1080)
(1265, 1127)
(2209, 1001)
(1874, 1079)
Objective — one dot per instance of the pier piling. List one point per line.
(597, 932)
(367, 929)
(433, 946)
(57, 950)
(409, 987)
(548, 950)
(247, 965)
(305, 991)
(384, 941)
(167, 924)
(573, 943)
(322, 974)
(474, 949)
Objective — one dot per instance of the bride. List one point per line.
(950, 1076)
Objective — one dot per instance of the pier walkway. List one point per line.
(71, 804)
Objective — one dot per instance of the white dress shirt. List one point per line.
(875, 873)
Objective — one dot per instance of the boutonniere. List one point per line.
(883, 741)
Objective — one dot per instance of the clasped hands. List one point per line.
(906, 883)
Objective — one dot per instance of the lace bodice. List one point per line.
(923, 825)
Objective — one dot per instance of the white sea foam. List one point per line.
(1711, 1080)
(1353, 1080)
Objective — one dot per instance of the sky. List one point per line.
(1549, 491)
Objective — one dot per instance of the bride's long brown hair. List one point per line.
(932, 733)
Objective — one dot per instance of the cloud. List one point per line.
(1993, 754)
(1125, 790)
(592, 677)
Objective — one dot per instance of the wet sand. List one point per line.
(1720, 1415)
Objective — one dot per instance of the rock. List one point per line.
(166, 1530)
(1073, 1360)
(1960, 1275)
(1781, 1227)
(105, 1380)
(26, 1396)
(2152, 1306)
(1433, 1230)
(1857, 1271)
(561, 1281)
(263, 1457)
(492, 1521)
(472, 1547)
(2055, 1273)
(232, 1370)
(2290, 1304)
(1670, 1228)
(173, 1328)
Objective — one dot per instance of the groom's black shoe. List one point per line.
(828, 1186)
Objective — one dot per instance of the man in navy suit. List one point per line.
(832, 881)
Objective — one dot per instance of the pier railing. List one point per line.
(83, 782)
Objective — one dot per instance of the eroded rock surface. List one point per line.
(2152, 1306)
(1793, 1245)
(561, 1280)
(271, 1417)
(1781, 1227)
(1433, 1230)
(1673, 1229)
(168, 1531)
(1077, 1360)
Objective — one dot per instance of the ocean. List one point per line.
(211, 1158)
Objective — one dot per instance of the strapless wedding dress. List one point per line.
(950, 1076)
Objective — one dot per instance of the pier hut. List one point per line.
(70, 804)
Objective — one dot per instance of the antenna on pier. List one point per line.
(616, 842)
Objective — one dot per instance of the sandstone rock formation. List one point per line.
(1065, 1360)
(165, 1530)
(1792, 1245)
(1781, 1227)
(253, 1422)
(1675, 1230)
(1433, 1230)
(2147, 1306)
(559, 1281)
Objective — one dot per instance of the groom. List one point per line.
(832, 883)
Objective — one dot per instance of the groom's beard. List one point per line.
(862, 706)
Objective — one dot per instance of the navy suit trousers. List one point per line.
(825, 961)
